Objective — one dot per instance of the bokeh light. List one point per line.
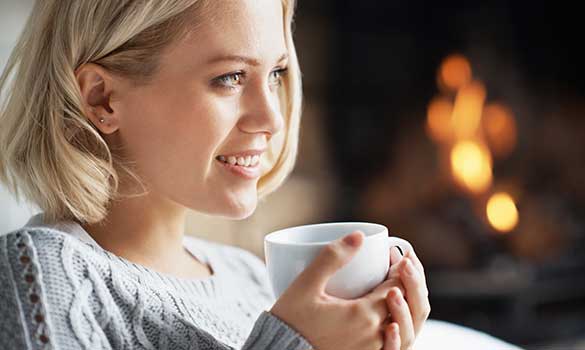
(455, 72)
(502, 212)
(468, 109)
(439, 119)
(500, 129)
(471, 166)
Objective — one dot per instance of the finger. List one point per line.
(330, 259)
(394, 271)
(395, 255)
(416, 294)
(377, 300)
(408, 260)
(401, 315)
(382, 290)
(416, 260)
(381, 310)
(392, 337)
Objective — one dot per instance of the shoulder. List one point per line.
(42, 271)
(35, 233)
(36, 238)
(54, 258)
(42, 243)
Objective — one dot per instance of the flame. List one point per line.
(439, 119)
(502, 212)
(455, 72)
(500, 128)
(468, 127)
(471, 165)
(467, 110)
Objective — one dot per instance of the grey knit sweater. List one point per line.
(60, 290)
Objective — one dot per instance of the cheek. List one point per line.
(170, 138)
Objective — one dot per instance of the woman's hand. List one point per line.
(331, 323)
(408, 300)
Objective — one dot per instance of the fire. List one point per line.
(500, 128)
(502, 212)
(455, 72)
(459, 119)
(439, 119)
(468, 108)
(471, 165)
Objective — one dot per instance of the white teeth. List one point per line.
(246, 161)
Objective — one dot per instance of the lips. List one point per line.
(250, 172)
(247, 158)
(248, 161)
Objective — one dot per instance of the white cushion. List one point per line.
(438, 335)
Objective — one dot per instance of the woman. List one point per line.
(119, 117)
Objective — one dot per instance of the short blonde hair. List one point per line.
(49, 151)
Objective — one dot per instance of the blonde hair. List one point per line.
(49, 151)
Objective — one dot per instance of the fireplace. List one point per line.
(462, 128)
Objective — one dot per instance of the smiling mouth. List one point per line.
(247, 162)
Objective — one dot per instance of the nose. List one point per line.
(261, 111)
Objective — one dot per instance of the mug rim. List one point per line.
(270, 238)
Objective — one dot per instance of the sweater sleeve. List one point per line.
(270, 333)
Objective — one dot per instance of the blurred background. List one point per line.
(461, 127)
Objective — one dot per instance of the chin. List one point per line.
(240, 206)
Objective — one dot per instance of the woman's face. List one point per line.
(215, 94)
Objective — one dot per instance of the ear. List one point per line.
(96, 86)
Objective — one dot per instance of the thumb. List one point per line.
(330, 259)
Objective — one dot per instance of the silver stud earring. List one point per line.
(102, 120)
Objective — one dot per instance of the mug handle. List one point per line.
(402, 243)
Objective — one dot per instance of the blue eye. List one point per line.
(233, 80)
(230, 80)
(277, 75)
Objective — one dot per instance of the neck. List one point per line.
(148, 230)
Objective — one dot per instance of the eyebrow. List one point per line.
(242, 59)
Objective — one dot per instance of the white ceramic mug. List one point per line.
(289, 251)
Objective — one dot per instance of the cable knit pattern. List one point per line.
(59, 292)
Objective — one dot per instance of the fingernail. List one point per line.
(409, 267)
(400, 250)
(396, 296)
(351, 240)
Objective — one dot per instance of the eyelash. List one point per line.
(227, 81)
